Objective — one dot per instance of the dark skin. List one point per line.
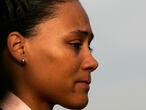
(58, 61)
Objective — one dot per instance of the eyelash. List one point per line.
(91, 50)
(77, 45)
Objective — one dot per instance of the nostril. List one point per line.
(89, 64)
(94, 65)
(97, 64)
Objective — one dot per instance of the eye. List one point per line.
(76, 44)
(89, 47)
(91, 50)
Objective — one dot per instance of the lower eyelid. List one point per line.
(76, 45)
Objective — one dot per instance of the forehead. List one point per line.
(71, 6)
(70, 16)
(73, 14)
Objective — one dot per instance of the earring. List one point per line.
(22, 60)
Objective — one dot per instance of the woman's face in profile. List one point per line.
(59, 60)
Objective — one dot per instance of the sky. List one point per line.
(119, 46)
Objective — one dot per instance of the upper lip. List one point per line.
(85, 81)
(84, 78)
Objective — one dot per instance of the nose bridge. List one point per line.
(89, 63)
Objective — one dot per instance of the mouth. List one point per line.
(84, 84)
(85, 81)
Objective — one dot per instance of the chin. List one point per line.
(78, 104)
(81, 106)
(77, 107)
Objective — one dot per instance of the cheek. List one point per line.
(52, 74)
(40, 66)
(51, 71)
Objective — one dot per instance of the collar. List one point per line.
(12, 102)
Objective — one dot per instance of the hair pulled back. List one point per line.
(21, 16)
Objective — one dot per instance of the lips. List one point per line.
(84, 84)
(84, 81)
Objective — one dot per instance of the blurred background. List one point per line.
(120, 47)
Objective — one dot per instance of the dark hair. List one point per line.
(21, 16)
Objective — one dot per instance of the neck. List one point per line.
(32, 99)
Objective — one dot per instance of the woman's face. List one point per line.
(58, 59)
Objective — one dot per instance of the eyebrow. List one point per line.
(84, 34)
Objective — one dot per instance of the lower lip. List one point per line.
(84, 85)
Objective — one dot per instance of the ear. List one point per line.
(16, 46)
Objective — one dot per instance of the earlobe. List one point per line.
(16, 46)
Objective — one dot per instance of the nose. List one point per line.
(89, 63)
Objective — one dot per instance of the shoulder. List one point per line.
(12, 102)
